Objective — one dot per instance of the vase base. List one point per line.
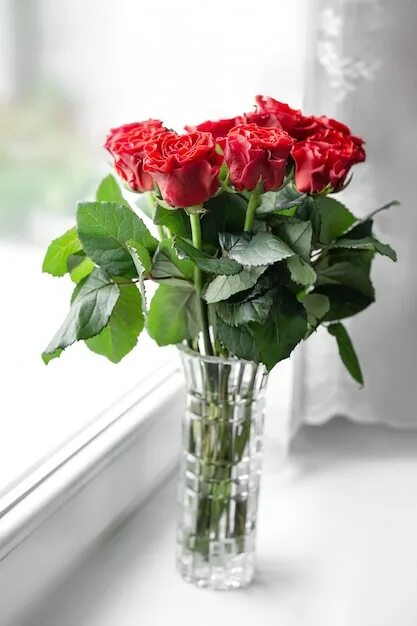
(218, 572)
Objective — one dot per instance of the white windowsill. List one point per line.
(58, 512)
(336, 545)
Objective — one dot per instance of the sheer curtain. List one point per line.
(362, 70)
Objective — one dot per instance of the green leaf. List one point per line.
(385, 250)
(203, 260)
(177, 221)
(104, 229)
(225, 213)
(120, 335)
(173, 314)
(346, 351)
(262, 249)
(316, 306)
(283, 330)
(301, 272)
(89, 313)
(251, 310)
(109, 191)
(238, 341)
(298, 236)
(77, 289)
(82, 269)
(222, 287)
(288, 197)
(47, 357)
(366, 243)
(308, 210)
(291, 212)
(143, 264)
(360, 236)
(59, 251)
(343, 276)
(75, 259)
(259, 227)
(282, 200)
(344, 301)
(346, 267)
(335, 218)
(359, 230)
(141, 257)
(267, 204)
(166, 264)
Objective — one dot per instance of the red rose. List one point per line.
(270, 112)
(185, 167)
(254, 153)
(327, 123)
(217, 129)
(126, 145)
(325, 159)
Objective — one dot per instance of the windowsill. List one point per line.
(60, 510)
(335, 545)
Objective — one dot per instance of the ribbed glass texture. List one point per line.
(220, 470)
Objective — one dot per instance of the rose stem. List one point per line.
(250, 211)
(198, 282)
(161, 232)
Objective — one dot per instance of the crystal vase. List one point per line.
(220, 469)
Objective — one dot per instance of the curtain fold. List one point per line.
(362, 70)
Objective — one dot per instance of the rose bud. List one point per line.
(325, 159)
(185, 167)
(126, 145)
(218, 128)
(270, 112)
(253, 153)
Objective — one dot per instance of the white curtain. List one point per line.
(362, 70)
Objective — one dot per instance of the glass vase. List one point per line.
(220, 469)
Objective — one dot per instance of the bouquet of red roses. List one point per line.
(253, 254)
(253, 249)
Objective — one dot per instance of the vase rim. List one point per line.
(214, 359)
